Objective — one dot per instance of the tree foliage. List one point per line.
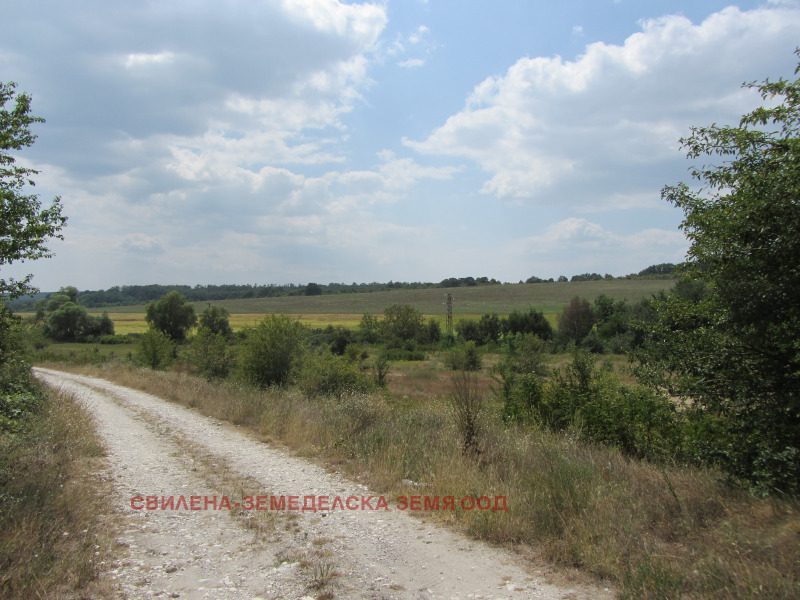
(156, 349)
(215, 319)
(273, 350)
(210, 352)
(172, 315)
(402, 322)
(25, 227)
(576, 320)
(733, 350)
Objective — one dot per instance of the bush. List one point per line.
(156, 350)
(272, 350)
(595, 403)
(210, 353)
(464, 358)
(522, 398)
(467, 403)
(19, 393)
(325, 374)
(369, 328)
(468, 331)
(432, 332)
(114, 339)
(215, 319)
(533, 322)
(404, 354)
(380, 368)
(518, 375)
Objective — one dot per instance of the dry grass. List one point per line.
(55, 535)
(580, 506)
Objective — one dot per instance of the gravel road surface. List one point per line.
(159, 449)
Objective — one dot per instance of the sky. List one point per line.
(289, 141)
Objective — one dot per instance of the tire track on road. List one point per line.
(376, 554)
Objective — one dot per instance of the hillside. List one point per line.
(502, 299)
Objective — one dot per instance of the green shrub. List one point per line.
(114, 339)
(464, 358)
(215, 319)
(325, 374)
(272, 350)
(211, 354)
(595, 402)
(156, 350)
(380, 368)
(19, 393)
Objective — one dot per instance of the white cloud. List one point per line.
(141, 60)
(412, 63)
(580, 245)
(416, 47)
(549, 126)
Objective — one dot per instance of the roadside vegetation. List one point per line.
(56, 537)
(675, 476)
(52, 541)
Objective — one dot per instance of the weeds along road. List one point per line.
(155, 448)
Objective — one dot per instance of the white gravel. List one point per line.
(194, 554)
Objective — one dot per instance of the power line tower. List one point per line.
(449, 321)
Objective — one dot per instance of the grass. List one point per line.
(346, 309)
(80, 353)
(502, 299)
(654, 532)
(54, 534)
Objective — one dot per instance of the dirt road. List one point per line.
(349, 550)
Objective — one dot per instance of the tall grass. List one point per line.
(656, 532)
(53, 536)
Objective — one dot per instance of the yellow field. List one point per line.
(130, 322)
(135, 323)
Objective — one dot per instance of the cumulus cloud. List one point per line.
(207, 142)
(580, 245)
(548, 126)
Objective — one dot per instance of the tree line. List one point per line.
(129, 295)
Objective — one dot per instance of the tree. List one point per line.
(532, 321)
(313, 289)
(272, 351)
(172, 314)
(576, 321)
(369, 328)
(68, 322)
(215, 319)
(733, 351)
(25, 226)
(156, 349)
(402, 322)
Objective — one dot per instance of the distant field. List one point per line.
(468, 303)
(550, 298)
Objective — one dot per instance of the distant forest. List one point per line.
(128, 295)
